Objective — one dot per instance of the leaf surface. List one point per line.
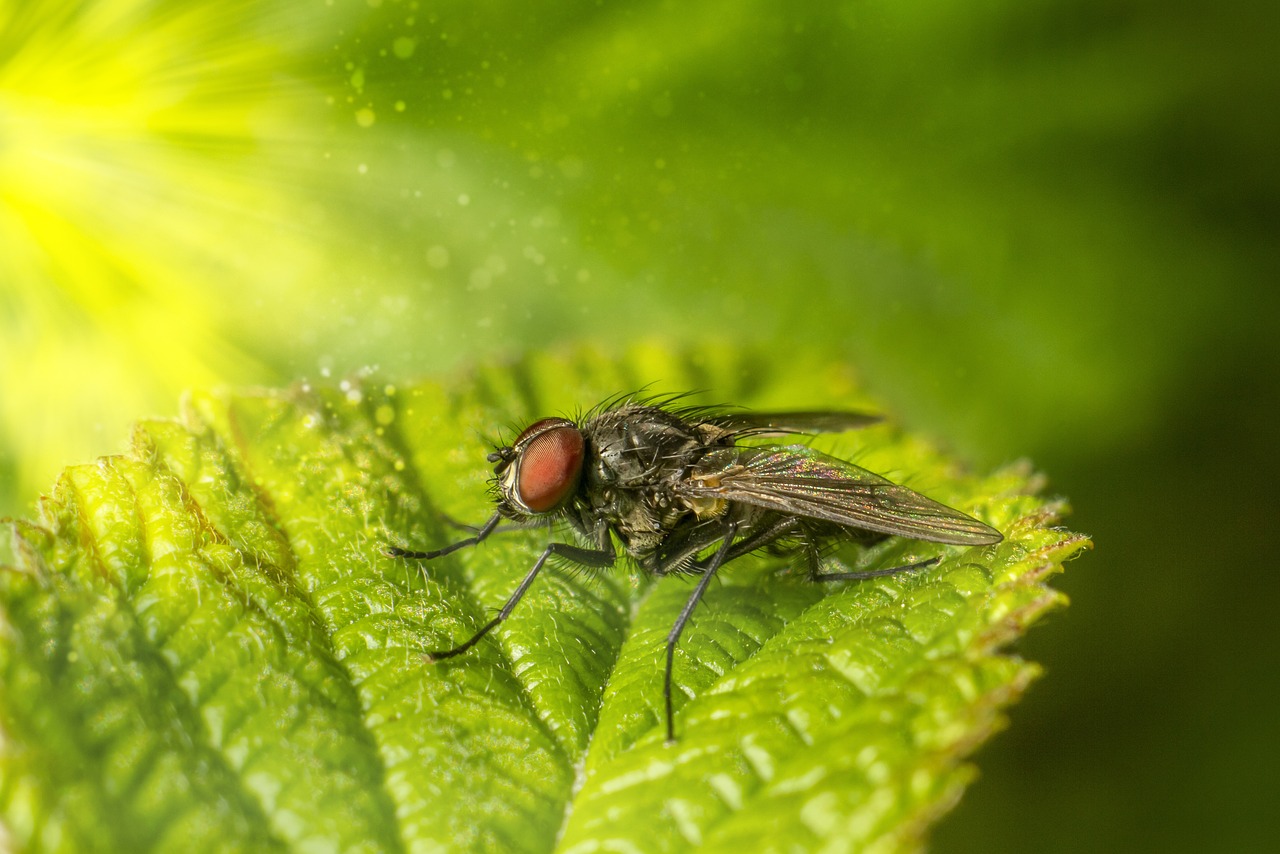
(205, 647)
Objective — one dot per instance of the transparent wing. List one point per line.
(804, 482)
(781, 423)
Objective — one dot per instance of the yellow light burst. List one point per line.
(149, 210)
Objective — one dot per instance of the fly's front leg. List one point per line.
(479, 537)
(501, 529)
(599, 558)
(453, 522)
(479, 534)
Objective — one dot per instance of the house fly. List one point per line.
(675, 488)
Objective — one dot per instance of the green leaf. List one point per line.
(204, 646)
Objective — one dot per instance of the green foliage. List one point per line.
(204, 647)
(933, 191)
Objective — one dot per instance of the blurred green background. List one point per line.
(1038, 228)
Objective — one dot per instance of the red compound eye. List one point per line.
(550, 462)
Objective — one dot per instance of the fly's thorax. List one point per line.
(639, 516)
(635, 456)
(640, 447)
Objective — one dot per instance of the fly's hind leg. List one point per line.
(816, 572)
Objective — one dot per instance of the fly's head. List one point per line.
(539, 473)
